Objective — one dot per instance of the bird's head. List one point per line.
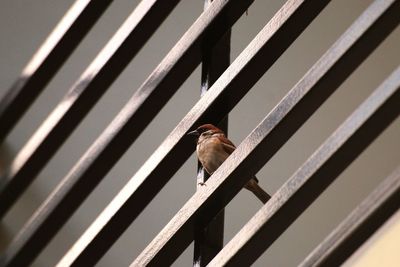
(205, 129)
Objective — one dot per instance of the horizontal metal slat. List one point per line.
(361, 223)
(315, 175)
(245, 71)
(48, 59)
(340, 60)
(126, 127)
(80, 98)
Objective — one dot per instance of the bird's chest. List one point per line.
(211, 153)
(207, 147)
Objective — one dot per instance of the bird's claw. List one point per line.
(202, 183)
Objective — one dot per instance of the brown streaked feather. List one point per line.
(227, 145)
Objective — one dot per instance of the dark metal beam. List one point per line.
(47, 60)
(125, 128)
(298, 105)
(365, 219)
(83, 95)
(209, 239)
(315, 175)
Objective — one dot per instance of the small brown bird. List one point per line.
(213, 148)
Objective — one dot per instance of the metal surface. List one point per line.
(115, 140)
(209, 239)
(166, 160)
(83, 95)
(365, 219)
(48, 59)
(200, 219)
(328, 73)
(315, 175)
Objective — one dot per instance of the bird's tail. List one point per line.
(253, 186)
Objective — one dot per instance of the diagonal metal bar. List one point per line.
(48, 59)
(280, 32)
(315, 175)
(337, 64)
(81, 97)
(114, 141)
(365, 219)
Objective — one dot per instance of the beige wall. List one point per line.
(382, 249)
(25, 24)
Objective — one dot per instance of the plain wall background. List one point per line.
(24, 25)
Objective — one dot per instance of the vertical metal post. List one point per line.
(208, 239)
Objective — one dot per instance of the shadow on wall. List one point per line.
(5, 159)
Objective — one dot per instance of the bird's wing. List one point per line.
(227, 145)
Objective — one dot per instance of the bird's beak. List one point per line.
(195, 133)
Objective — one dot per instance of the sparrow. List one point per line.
(213, 148)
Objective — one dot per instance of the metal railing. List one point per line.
(207, 41)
